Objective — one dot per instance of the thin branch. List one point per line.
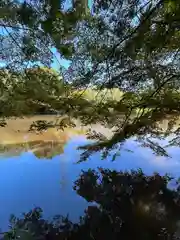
(15, 27)
(136, 29)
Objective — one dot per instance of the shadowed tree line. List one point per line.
(129, 205)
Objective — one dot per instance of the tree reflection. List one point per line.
(49, 149)
(41, 149)
(130, 205)
(40, 137)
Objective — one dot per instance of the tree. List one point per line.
(38, 90)
(129, 45)
(29, 91)
(32, 28)
(128, 204)
(126, 46)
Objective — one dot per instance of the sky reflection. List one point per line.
(26, 181)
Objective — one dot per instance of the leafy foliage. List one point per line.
(128, 204)
(34, 27)
(132, 46)
(125, 46)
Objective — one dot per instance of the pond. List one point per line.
(29, 179)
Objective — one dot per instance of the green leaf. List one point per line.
(170, 6)
(66, 50)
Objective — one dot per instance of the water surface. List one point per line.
(45, 180)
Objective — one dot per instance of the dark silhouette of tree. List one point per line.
(129, 205)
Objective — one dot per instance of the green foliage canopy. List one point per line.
(129, 45)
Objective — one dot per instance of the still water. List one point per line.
(27, 181)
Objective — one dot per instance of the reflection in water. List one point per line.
(16, 137)
(41, 149)
(44, 147)
(26, 182)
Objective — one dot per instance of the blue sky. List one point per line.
(58, 60)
